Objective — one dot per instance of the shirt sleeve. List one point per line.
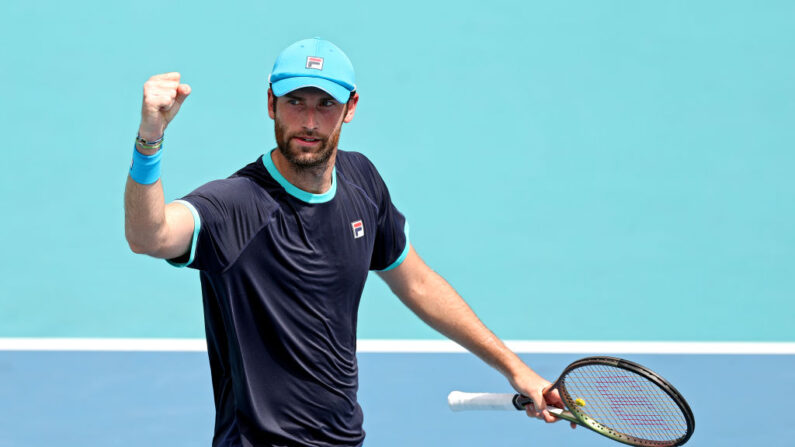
(226, 215)
(392, 234)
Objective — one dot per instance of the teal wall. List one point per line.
(562, 164)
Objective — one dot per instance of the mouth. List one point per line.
(306, 141)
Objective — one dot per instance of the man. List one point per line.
(284, 247)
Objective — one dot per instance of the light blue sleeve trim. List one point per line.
(405, 253)
(197, 224)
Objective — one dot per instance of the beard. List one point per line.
(306, 158)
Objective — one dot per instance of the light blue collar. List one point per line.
(296, 192)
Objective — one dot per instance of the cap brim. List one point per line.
(285, 86)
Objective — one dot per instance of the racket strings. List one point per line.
(625, 402)
(629, 408)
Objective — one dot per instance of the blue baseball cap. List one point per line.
(313, 63)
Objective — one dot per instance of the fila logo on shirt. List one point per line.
(358, 229)
(314, 62)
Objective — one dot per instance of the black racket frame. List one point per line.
(520, 401)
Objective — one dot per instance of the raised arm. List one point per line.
(429, 296)
(151, 226)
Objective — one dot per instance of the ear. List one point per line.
(271, 102)
(351, 108)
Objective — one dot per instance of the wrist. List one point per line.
(145, 150)
(518, 370)
(148, 147)
(145, 168)
(150, 133)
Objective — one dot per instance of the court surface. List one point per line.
(164, 399)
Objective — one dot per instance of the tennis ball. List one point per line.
(579, 402)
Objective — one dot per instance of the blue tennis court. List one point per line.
(164, 399)
(584, 172)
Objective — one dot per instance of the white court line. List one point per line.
(414, 346)
(588, 347)
(104, 344)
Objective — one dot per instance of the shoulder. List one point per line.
(356, 167)
(239, 192)
(354, 160)
(360, 173)
(243, 184)
(231, 189)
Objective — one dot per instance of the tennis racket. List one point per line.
(616, 398)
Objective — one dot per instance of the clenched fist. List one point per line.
(163, 96)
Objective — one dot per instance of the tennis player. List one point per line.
(284, 247)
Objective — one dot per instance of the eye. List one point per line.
(328, 103)
(292, 101)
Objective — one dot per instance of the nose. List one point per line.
(310, 119)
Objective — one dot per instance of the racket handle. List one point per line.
(460, 401)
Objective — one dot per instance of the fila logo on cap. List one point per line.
(314, 62)
(358, 229)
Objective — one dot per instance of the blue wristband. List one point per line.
(145, 169)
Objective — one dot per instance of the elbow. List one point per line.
(140, 245)
(138, 249)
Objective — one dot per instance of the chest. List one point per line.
(333, 237)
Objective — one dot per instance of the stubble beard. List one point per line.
(302, 159)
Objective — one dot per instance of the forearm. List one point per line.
(439, 305)
(429, 296)
(144, 216)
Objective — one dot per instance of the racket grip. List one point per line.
(460, 401)
(520, 400)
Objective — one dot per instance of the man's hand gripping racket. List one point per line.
(613, 397)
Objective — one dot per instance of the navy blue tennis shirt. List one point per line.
(282, 273)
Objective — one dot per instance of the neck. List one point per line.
(316, 180)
